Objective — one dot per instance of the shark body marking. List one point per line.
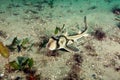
(62, 41)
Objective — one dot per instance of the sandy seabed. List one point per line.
(96, 59)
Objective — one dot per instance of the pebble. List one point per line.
(1, 75)
(12, 77)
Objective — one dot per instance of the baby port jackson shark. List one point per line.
(64, 40)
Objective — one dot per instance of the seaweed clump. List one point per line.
(92, 8)
(73, 74)
(90, 49)
(52, 53)
(18, 45)
(99, 34)
(109, 1)
(3, 34)
(116, 10)
(25, 65)
(118, 25)
(78, 59)
(4, 51)
(51, 3)
(42, 42)
(21, 64)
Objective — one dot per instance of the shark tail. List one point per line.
(85, 22)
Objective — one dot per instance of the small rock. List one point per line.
(1, 75)
(12, 77)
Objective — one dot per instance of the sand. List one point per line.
(26, 20)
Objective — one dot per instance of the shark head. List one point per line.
(52, 44)
(57, 42)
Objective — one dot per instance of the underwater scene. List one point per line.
(59, 39)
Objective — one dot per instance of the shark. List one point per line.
(64, 40)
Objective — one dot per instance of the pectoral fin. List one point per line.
(71, 49)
